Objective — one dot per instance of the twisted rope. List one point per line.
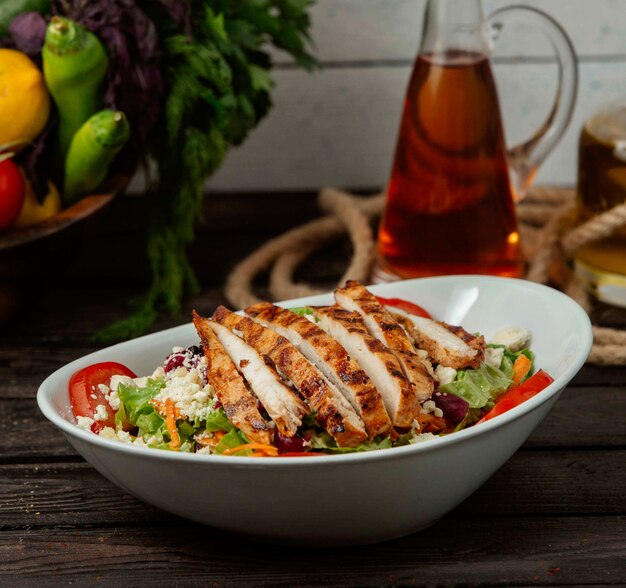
(547, 222)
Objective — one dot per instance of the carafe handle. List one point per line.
(525, 158)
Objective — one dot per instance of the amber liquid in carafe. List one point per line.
(449, 200)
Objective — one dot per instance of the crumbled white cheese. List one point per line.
(420, 437)
(445, 375)
(117, 380)
(84, 422)
(123, 436)
(429, 407)
(190, 394)
(515, 338)
(112, 397)
(101, 413)
(177, 349)
(493, 356)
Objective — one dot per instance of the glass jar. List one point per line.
(601, 265)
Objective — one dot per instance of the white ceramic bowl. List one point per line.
(343, 499)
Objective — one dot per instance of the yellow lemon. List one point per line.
(24, 100)
(32, 212)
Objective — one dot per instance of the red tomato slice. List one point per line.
(520, 394)
(86, 396)
(405, 305)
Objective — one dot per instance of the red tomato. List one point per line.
(12, 191)
(86, 396)
(405, 305)
(520, 394)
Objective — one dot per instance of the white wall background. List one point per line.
(337, 126)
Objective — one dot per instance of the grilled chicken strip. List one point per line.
(382, 325)
(280, 402)
(239, 404)
(331, 359)
(443, 344)
(333, 412)
(379, 363)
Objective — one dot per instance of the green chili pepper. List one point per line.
(74, 65)
(92, 151)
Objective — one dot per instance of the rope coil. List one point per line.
(547, 219)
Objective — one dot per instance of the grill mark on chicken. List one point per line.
(476, 342)
(378, 362)
(443, 345)
(383, 325)
(330, 357)
(239, 404)
(334, 412)
(282, 405)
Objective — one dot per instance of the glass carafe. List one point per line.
(450, 199)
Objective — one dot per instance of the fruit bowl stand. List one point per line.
(31, 257)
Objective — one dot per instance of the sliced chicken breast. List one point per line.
(280, 402)
(333, 412)
(380, 364)
(239, 404)
(381, 324)
(443, 345)
(331, 358)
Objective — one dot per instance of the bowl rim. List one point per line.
(46, 391)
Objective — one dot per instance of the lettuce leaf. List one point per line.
(322, 440)
(218, 421)
(479, 387)
(232, 439)
(136, 401)
(509, 357)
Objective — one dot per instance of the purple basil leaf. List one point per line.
(34, 161)
(453, 407)
(28, 31)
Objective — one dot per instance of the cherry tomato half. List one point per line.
(86, 396)
(405, 305)
(12, 191)
(520, 394)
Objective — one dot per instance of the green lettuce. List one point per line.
(322, 440)
(136, 409)
(479, 387)
(509, 357)
(136, 401)
(218, 421)
(233, 438)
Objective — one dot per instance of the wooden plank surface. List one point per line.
(569, 550)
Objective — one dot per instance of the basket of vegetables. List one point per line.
(87, 86)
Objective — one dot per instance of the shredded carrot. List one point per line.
(521, 367)
(170, 423)
(162, 408)
(429, 423)
(259, 449)
(211, 441)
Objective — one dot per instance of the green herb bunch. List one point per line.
(217, 84)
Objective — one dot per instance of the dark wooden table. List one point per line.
(553, 515)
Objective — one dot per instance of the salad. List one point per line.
(364, 374)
